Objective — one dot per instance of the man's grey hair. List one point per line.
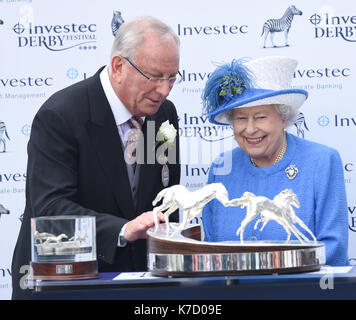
(287, 113)
(131, 35)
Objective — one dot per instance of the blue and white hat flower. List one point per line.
(243, 83)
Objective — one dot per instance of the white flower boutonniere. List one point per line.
(166, 134)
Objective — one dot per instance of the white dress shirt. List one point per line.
(121, 115)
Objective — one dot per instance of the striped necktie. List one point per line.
(133, 135)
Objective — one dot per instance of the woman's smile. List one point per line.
(254, 141)
(259, 131)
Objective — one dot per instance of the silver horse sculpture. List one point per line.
(190, 202)
(279, 209)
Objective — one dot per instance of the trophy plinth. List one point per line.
(64, 270)
(184, 254)
(63, 248)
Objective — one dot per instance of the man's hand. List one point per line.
(136, 228)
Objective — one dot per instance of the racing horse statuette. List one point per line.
(190, 202)
(279, 209)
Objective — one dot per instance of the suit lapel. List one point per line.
(148, 172)
(106, 141)
(145, 170)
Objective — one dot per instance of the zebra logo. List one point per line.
(2, 138)
(116, 22)
(299, 124)
(278, 25)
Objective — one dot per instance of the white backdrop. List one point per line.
(47, 45)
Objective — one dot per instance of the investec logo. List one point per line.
(211, 30)
(329, 26)
(57, 37)
(336, 121)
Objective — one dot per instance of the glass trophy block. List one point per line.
(63, 247)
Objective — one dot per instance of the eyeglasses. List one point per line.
(156, 80)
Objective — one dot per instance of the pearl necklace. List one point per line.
(280, 155)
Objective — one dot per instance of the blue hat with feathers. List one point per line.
(248, 83)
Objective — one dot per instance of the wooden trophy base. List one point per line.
(186, 255)
(64, 270)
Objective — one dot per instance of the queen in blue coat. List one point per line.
(255, 98)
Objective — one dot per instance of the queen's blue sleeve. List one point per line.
(331, 215)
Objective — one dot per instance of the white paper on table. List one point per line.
(134, 276)
(329, 269)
